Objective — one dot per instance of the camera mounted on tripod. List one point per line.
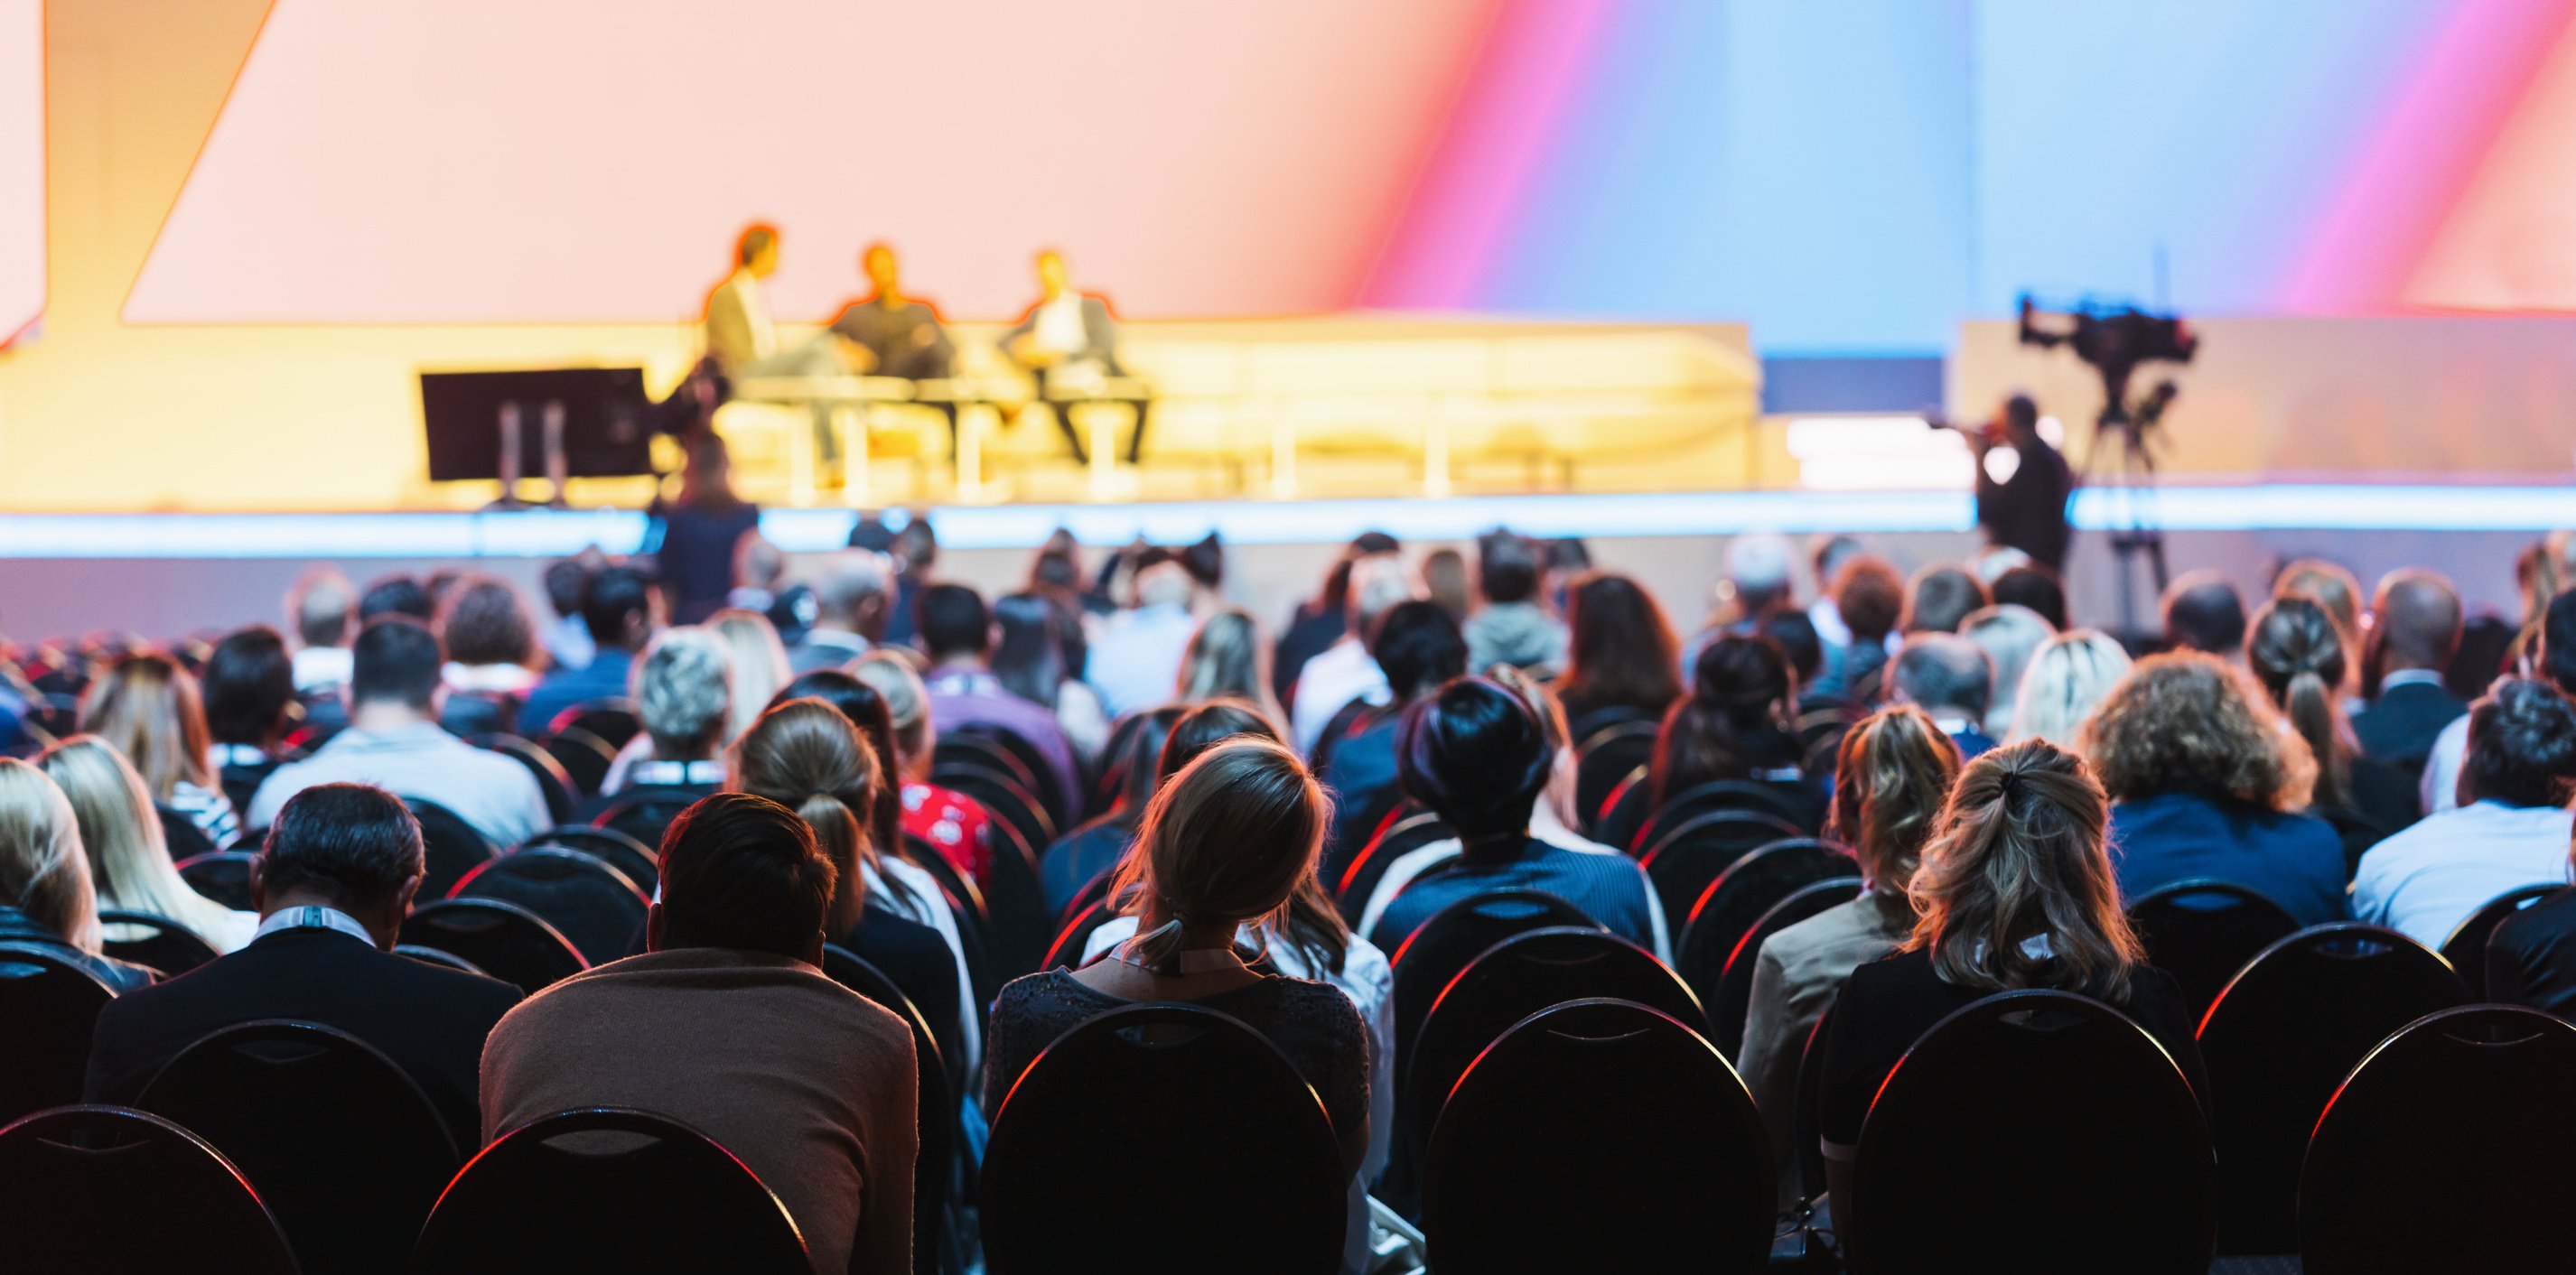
(2115, 340)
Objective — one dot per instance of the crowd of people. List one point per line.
(2005, 781)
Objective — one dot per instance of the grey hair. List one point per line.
(2009, 634)
(853, 577)
(1939, 670)
(683, 690)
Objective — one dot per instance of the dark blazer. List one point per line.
(2531, 958)
(2399, 727)
(430, 1021)
(1099, 333)
(2293, 860)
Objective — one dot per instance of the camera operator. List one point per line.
(2026, 508)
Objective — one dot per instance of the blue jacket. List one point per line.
(2293, 860)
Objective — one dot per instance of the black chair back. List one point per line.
(1605, 756)
(1684, 861)
(1368, 867)
(1780, 800)
(1598, 1135)
(181, 834)
(2466, 949)
(2280, 1038)
(467, 714)
(157, 941)
(1009, 802)
(585, 758)
(965, 904)
(612, 721)
(500, 938)
(1719, 918)
(1221, 1151)
(643, 814)
(119, 1192)
(545, 1199)
(1807, 1113)
(49, 1005)
(432, 956)
(563, 797)
(342, 1146)
(2446, 1150)
(1426, 960)
(937, 1101)
(2033, 1131)
(1018, 923)
(1734, 998)
(1024, 763)
(2202, 931)
(590, 903)
(637, 860)
(1624, 812)
(1514, 979)
(1075, 937)
(241, 781)
(223, 876)
(450, 847)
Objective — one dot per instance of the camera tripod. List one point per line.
(2118, 463)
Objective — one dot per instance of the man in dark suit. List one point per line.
(2416, 631)
(1070, 344)
(331, 886)
(893, 334)
(1953, 680)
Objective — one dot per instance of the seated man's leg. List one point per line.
(1063, 413)
(1136, 441)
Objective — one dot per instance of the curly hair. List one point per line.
(2183, 722)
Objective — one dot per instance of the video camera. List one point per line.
(2115, 342)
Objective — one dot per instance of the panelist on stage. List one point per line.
(1070, 344)
(743, 341)
(891, 334)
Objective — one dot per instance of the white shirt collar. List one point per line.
(313, 917)
(2408, 677)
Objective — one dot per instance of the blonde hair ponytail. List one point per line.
(806, 756)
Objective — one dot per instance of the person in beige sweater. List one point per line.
(726, 1025)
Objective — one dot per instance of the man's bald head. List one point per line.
(2416, 615)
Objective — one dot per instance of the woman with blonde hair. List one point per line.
(148, 708)
(2015, 891)
(1892, 774)
(1227, 659)
(129, 863)
(759, 664)
(807, 756)
(45, 894)
(2068, 675)
(2209, 781)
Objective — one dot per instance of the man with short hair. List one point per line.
(1136, 662)
(2554, 662)
(394, 742)
(852, 603)
(320, 609)
(2414, 632)
(2513, 830)
(1950, 678)
(2204, 612)
(1512, 627)
(622, 610)
(1345, 671)
(956, 631)
(1940, 596)
(331, 886)
(1420, 648)
(726, 1025)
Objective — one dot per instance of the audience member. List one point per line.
(1621, 650)
(725, 1025)
(2203, 612)
(1030, 661)
(1138, 654)
(2068, 675)
(807, 755)
(2035, 587)
(396, 594)
(1079, 858)
(1419, 647)
(2531, 957)
(1829, 555)
(331, 886)
(491, 643)
(2009, 634)
(1892, 775)
(758, 660)
(1324, 619)
(2333, 587)
(2549, 655)
(1757, 580)
(1512, 625)
(684, 691)
(2015, 891)
(1795, 635)
(249, 688)
(621, 610)
(1869, 597)
(699, 530)
(1345, 672)
(322, 609)
(394, 742)
(2296, 652)
(45, 895)
(867, 711)
(759, 574)
(2207, 780)
(1739, 722)
(852, 604)
(2511, 828)
(1940, 596)
(2415, 630)
(1475, 755)
(1224, 661)
(567, 581)
(130, 869)
(1445, 581)
(948, 821)
(147, 707)
(957, 635)
(1951, 679)
(1226, 845)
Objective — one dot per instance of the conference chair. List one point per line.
(563, 798)
(450, 847)
(966, 904)
(1718, 919)
(1075, 938)
(338, 1141)
(939, 1083)
(644, 813)
(2466, 949)
(500, 938)
(1118, 756)
(2446, 1150)
(1598, 1135)
(1172, 1126)
(181, 834)
(585, 758)
(1691, 854)
(1606, 751)
(613, 721)
(111, 1191)
(1734, 995)
(2035, 1131)
(1758, 795)
(1514, 979)
(2280, 1038)
(590, 903)
(546, 1199)
(1425, 961)
(156, 941)
(1410, 831)
(223, 876)
(637, 860)
(1008, 800)
(48, 1007)
(1807, 1110)
(2202, 931)
(432, 956)
(1026, 764)
(1624, 811)
(467, 714)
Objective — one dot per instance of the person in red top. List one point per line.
(953, 822)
